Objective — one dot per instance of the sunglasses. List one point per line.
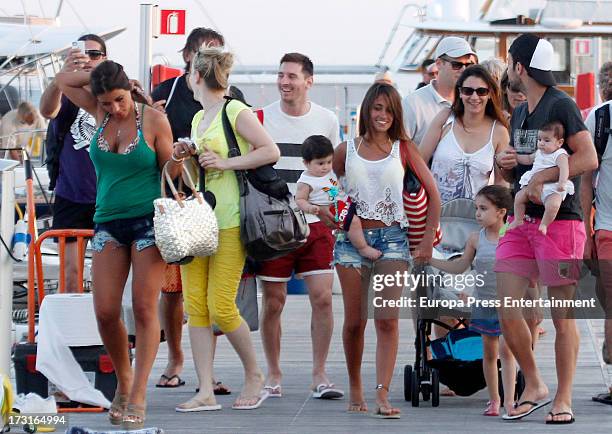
(95, 54)
(480, 91)
(456, 65)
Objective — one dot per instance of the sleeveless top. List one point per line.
(376, 186)
(542, 162)
(483, 266)
(128, 183)
(222, 183)
(458, 173)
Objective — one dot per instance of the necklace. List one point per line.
(379, 146)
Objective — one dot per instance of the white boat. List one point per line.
(579, 30)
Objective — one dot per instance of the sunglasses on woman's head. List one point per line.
(94, 54)
(455, 64)
(468, 91)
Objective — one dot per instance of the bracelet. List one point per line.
(177, 160)
(497, 162)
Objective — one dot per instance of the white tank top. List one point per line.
(458, 173)
(376, 186)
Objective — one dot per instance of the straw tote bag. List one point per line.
(184, 227)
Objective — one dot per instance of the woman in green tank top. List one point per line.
(130, 146)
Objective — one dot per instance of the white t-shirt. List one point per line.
(420, 108)
(289, 132)
(325, 189)
(603, 194)
(9, 125)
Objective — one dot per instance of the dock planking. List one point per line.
(296, 412)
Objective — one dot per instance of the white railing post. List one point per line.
(7, 224)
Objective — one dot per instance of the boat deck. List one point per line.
(296, 412)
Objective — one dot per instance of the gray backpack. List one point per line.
(270, 227)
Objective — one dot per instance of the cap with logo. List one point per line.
(453, 46)
(536, 55)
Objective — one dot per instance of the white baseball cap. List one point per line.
(454, 46)
(537, 55)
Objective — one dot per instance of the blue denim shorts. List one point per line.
(392, 241)
(125, 232)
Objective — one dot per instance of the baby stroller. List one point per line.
(455, 359)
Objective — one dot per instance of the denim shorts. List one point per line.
(125, 232)
(392, 241)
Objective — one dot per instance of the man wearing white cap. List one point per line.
(452, 55)
(524, 254)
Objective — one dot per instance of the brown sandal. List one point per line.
(117, 408)
(134, 417)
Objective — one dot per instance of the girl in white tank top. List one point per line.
(376, 186)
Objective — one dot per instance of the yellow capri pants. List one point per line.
(210, 284)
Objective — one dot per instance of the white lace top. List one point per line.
(376, 186)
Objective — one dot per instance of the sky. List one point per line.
(331, 32)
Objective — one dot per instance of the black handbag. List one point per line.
(271, 225)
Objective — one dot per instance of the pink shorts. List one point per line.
(314, 257)
(555, 258)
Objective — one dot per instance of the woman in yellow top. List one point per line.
(210, 284)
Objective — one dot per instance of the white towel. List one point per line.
(68, 320)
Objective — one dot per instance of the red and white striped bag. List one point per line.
(415, 206)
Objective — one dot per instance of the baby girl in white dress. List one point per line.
(549, 154)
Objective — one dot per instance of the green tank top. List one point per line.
(128, 183)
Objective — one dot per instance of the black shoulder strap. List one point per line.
(230, 136)
(232, 144)
(602, 129)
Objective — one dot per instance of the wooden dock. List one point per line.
(296, 412)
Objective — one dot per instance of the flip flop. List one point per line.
(179, 382)
(603, 398)
(560, 422)
(197, 405)
(274, 391)
(534, 406)
(327, 391)
(218, 389)
(221, 389)
(357, 408)
(378, 414)
(263, 395)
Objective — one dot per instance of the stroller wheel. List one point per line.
(408, 382)
(435, 388)
(416, 386)
(425, 391)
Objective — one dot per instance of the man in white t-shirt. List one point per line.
(453, 55)
(290, 121)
